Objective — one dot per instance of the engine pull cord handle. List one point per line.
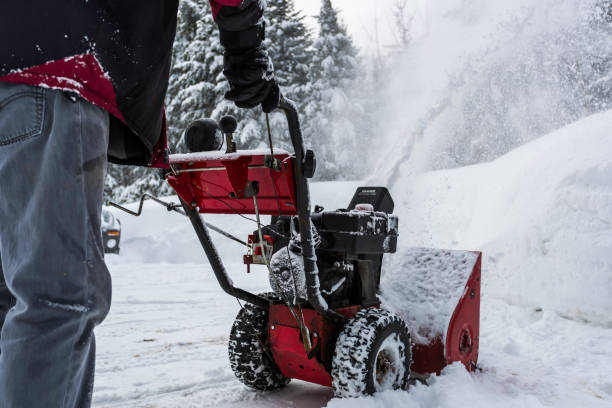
(269, 134)
(271, 161)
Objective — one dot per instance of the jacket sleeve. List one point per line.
(241, 23)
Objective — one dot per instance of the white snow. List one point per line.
(542, 215)
(485, 76)
(424, 285)
(221, 155)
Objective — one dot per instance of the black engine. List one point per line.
(349, 243)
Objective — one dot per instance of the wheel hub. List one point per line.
(389, 364)
(384, 366)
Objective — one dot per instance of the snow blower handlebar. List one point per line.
(302, 171)
(235, 181)
(215, 260)
(303, 167)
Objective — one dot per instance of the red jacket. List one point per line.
(115, 54)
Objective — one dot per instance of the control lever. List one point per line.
(228, 125)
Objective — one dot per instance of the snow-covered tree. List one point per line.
(335, 59)
(604, 10)
(403, 19)
(196, 84)
(599, 77)
(289, 41)
(332, 110)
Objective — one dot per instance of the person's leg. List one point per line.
(52, 164)
(7, 300)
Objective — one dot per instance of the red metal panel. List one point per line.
(288, 349)
(463, 334)
(217, 185)
(428, 358)
(462, 338)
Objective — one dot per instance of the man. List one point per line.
(80, 82)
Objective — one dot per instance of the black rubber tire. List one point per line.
(357, 353)
(249, 351)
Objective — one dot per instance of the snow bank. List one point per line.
(542, 215)
(445, 392)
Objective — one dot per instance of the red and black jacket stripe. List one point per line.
(115, 54)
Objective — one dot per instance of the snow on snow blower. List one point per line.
(323, 321)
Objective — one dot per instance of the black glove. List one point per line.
(251, 76)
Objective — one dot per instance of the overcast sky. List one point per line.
(362, 17)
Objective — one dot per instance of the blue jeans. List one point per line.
(54, 285)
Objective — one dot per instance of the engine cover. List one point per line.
(358, 232)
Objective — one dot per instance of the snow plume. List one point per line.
(488, 76)
(540, 214)
(491, 142)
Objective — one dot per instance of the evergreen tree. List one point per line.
(588, 70)
(335, 60)
(332, 110)
(403, 23)
(604, 11)
(599, 82)
(196, 84)
(289, 41)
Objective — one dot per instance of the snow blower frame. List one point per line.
(324, 323)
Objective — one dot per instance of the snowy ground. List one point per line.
(541, 214)
(165, 345)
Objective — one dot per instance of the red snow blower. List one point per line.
(324, 321)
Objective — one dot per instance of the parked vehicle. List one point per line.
(111, 232)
